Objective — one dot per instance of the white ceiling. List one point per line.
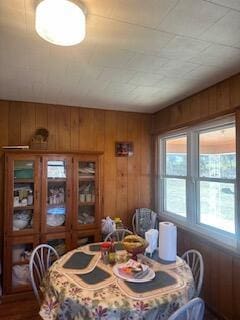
(138, 55)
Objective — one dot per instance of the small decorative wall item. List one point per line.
(123, 149)
(40, 139)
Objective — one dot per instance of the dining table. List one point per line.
(80, 286)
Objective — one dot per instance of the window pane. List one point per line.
(217, 205)
(217, 151)
(175, 196)
(176, 156)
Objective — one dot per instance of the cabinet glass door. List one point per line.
(21, 254)
(16, 263)
(22, 195)
(56, 192)
(86, 192)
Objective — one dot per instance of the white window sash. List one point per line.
(192, 220)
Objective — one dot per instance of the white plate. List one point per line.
(149, 276)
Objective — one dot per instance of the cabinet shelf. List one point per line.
(23, 208)
(16, 180)
(20, 263)
(63, 205)
(86, 178)
(56, 180)
(92, 203)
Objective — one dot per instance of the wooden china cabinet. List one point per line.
(52, 198)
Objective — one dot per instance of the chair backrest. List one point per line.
(143, 219)
(41, 259)
(195, 261)
(117, 235)
(193, 310)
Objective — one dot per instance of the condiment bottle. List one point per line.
(105, 246)
(112, 253)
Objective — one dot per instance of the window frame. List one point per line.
(170, 176)
(193, 179)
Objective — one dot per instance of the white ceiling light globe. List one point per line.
(60, 22)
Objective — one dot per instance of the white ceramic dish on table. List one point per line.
(148, 277)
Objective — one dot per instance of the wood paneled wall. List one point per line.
(217, 100)
(221, 287)
(127, 181)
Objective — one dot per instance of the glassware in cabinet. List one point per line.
(16, 264)
(59, 241)
(86, 213)
(82, 238)
(57, 192)
(22, 201)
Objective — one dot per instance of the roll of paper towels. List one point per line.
(167, 241)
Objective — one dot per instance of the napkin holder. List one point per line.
(152, 238)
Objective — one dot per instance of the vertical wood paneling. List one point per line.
(110, 191)
(75, 121)
(4, 107)
(216, 100)
(221, 287)
(236, 288)
(235, 91)
(41, 112)
(28, 122)
(14, 124)
(127, 180)
(87, 141)
(98, 127)
(63, 118)
(122, 168)
(52, 127)
(223, 95)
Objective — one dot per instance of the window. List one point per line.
(217, 174)
(175, 172)
(197, 184)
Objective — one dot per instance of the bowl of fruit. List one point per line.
(134, 244)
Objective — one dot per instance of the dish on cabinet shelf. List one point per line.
(55, 220)
(21, 219)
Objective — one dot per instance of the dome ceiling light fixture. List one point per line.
(61, 22)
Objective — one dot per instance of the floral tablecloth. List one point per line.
(68, 297)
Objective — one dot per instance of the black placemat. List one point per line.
(161, 280)
(79, 260)
(97, 247)
(156, 258)
(94, 277)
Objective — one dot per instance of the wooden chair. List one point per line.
(193, 310)
(41, 259)
(117, 235)
(195, 261)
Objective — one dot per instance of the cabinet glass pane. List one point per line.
(83, 240)
(23, 191)
(56, 193)
(23, 169)
(86, 169)
(59, 245)
(86, 192)
(20, 269)
(86, 214)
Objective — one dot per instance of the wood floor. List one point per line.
(28, 310)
